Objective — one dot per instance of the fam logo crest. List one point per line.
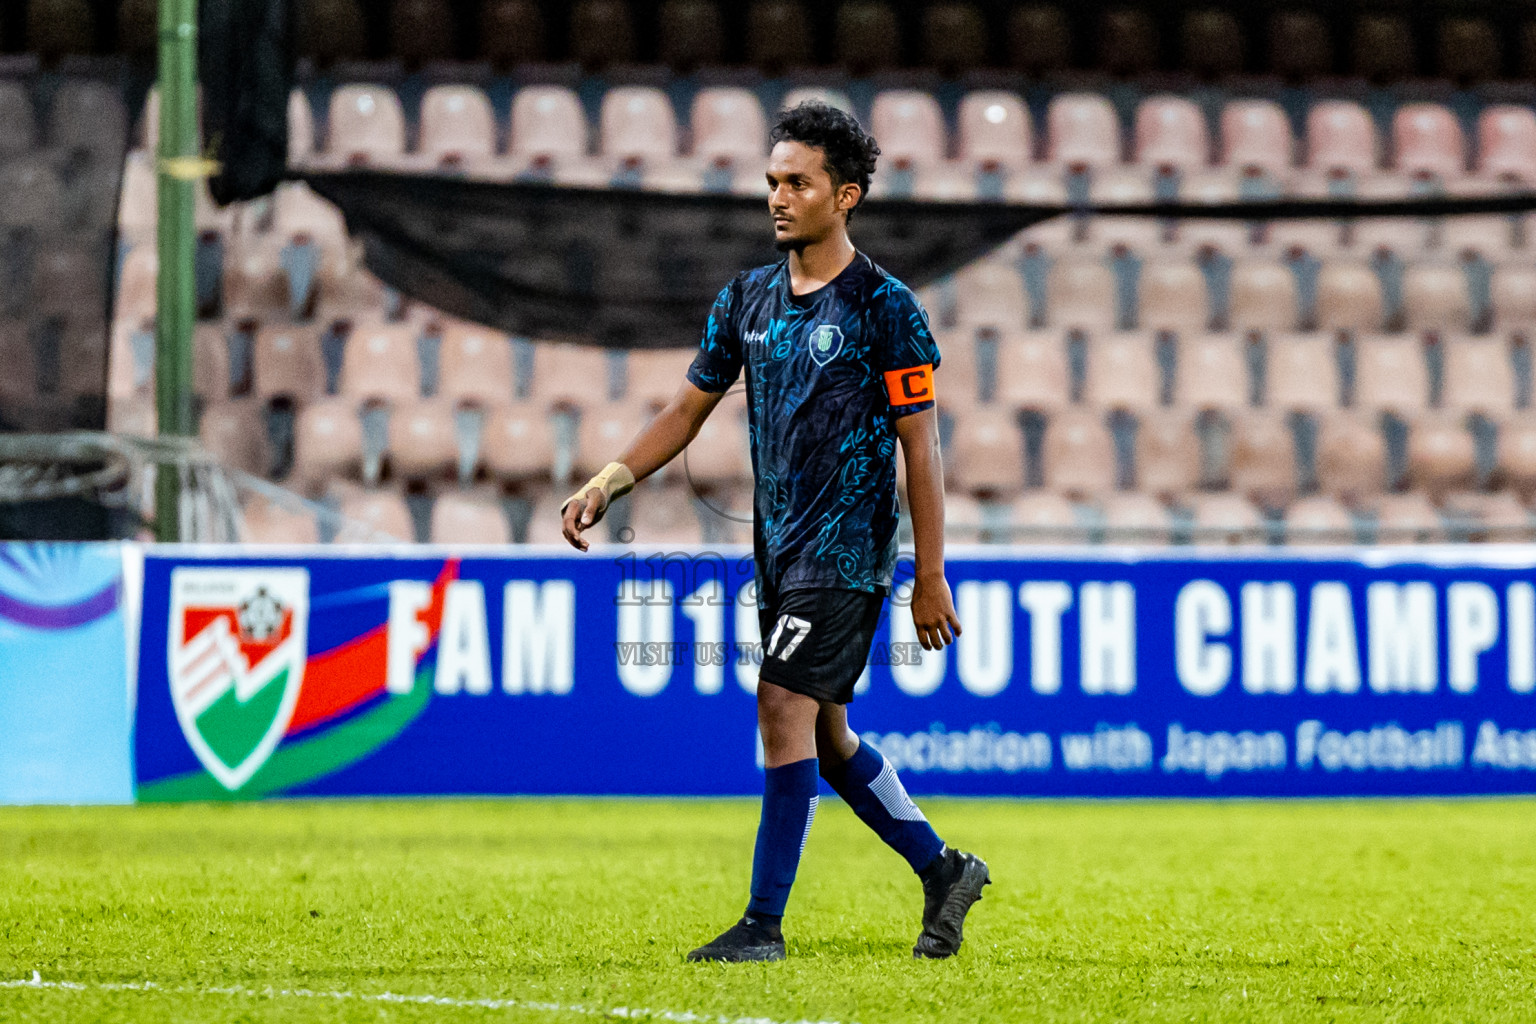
(236, 661)
(826, 342)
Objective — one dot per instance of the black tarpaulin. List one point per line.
(638, 269)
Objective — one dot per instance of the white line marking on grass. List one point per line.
(621, 1012)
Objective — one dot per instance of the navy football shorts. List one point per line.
(816, 641)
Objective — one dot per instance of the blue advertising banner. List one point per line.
(1091, 673)
(64, 711)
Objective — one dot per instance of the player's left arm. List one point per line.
(933, 607)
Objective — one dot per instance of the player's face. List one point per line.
(806, 207)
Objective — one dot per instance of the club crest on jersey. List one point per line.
(236, 662)
(825, 343)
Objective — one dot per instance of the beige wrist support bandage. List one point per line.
(614, 481)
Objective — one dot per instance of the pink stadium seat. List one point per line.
(1351, 456)
(255, 286)
(1479, 376)
(137, 211)
(1301, 372)
(987, 453)
(569, 375)
(476, 365)
(548, 126)
(1032, 370)
(605, 431)
(1407, 519)
(136, 289)
(1131, 517)
(958, 375)
(1122, 371)
(729, 127)
(327, 441)
(210, 363)
(1390, 374)
(517, 444)
(654, 376)
(1256, 136)
(301, 127)
(910, 126)
(1224, 518)
(637, 126)
(1427, 141)
(234, 433)
(1405, 236)
(664, 514)
(374, 516)
(1348, 297)
(1171, 133)
(1107, 232)
(718, 456)
(1262, 459)
(1517, 452)
(299, 214)
(1263, 297)
(457, 126)
(130, 360)
(1173, 297)
(1513, 293)
(1498, 516)
(1318, 520)
(1441, 454)
(1167, 452)
(1435, 299)
(1082, 131)
(1210, 188)
(1213, 372)
(367, 126)
(422, 442)
(990, 293)
(1056, 233)
(469, 517)
(31, 194)
(1081, 294)
(286, 361)
(1341, 137)
(18, 121)
(1045, 518)
(995, 131)
(265, 522)
(380, 362)
(1507, 143)
(88, 116)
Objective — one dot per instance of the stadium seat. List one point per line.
(517, 444)
(1173, 297)
(286, 362)
(331, 30)
(422, 444)
(255, 287)
(1507, 143)
(1407, 519)
(210, 363)
(1131, 517)
(636, 126)
(367, 126)
(476, 365)
(569, 375)
(1107, 233)
(729, 127)
(959, 373)
(1224, 518)
(1167, 452)
(1261, 460)
(1390, 374)
(31, 194)
(1435, 299)
(458, 126)
(18, 120)
(718, 456)
(1427, 142)
(995, 132)
(910, 126)
(1442, 455)
(511, 32)
(1301, 372)
(548, 127)
(420, 31)
(866, 37)
(88, 117)
(986, 457)
(266, 522)
(689, 34)
(469, 517)
(1256, 137)
(1351, 456)
(1263, 297)
(1082, 131)
(602, 33)
(604, 432)
(1080, 294)
(1122, 371)
(374, 516)
(1405, 237)
(954, 38)
(1517, 452)
(234, 433)
(1078, 454)
(1171, 134)
(1032, 371)
(1318, 519)
(1039, 39)
(1197, 235)
(1513, 296)
(136, 285)
(664, 514)
(130, 360)
(68, 279)
(653, 376)
(1212, 371)
(1341, 138)
(380, 362)
(990, 293)
(1497, 517)
(327, 441)
(778, 35)
(1041, 517)
(1349, 297)
(1479, 376)
(301, 127)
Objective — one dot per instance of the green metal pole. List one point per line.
(177, 297)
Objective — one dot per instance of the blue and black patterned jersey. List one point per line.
(828, 374)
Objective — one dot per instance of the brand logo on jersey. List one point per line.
(826, 342)
(236, 660)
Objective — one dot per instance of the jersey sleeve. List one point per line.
(908, 354)
(718, 362)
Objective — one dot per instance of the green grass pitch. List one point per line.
(551, 911)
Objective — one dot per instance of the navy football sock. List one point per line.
(789, 805)
(868, 784)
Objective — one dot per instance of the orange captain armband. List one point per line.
(909, 387)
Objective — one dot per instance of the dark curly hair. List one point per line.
(850, 151)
